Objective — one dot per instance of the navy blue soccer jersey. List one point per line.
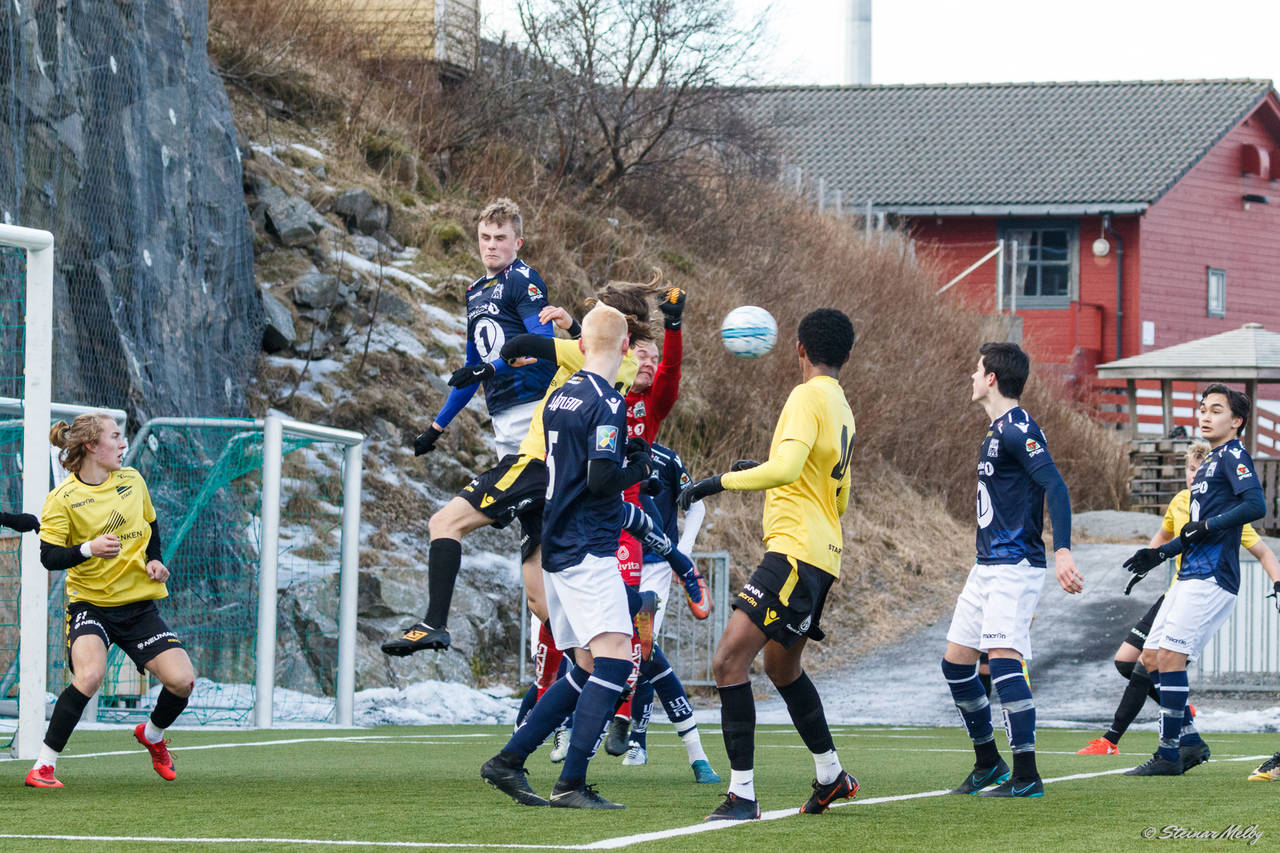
(584, 419)
(497, 309)
(1010, 502)
(1224, 476)
(669, 471)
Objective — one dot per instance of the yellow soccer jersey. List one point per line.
(75, 513)
(571, 359)
(802, 519)
(1178, 514)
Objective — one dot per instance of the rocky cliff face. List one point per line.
(116, 136)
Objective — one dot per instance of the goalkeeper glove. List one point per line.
(699, 490)
(672, 308)
(1194, 531)
(1143, 561)
(1275, 595)
(471, 374)
(426, 440)
(637, 452)
(743, 465)
(23, 522)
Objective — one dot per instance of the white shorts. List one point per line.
(585, 601)
(1192, 612)
(995, 608)
(511, 426)
(656, 577)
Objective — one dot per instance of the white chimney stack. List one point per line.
(857, 66)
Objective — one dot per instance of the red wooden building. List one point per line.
(1144, 214)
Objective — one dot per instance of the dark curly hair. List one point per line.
(827, 336)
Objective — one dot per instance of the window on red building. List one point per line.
(1217, 301)
(1040, 262)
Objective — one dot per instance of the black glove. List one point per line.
(637, 453)
(672, 308)
(699, 490)
(743, 465)
(652, 486)
(1275, 595)
(1194, 531)
(471, 374)
(635, 444)
(1143, 561)
(23, 522)
(426, 440)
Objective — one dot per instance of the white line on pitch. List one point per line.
(282, 742)
(603, 844)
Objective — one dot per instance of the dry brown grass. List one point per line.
(908, 533)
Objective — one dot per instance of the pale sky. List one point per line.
(946, 41)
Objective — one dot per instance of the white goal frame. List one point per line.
(37, 396)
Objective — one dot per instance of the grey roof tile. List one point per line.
(1007, 143)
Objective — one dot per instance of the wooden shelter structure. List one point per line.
(1249, 355)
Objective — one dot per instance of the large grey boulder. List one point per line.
(294, 221)
(118, 138)
(279, 332)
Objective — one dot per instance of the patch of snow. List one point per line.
(308, 150)
(267, 151)
(449, 339)
(443, 317)
(388, 337)
(358, 263)
(431, 703)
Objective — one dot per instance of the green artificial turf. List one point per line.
(421, 785)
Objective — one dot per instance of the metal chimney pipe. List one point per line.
(857, 67)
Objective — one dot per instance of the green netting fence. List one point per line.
(205, 479)
(12, 340)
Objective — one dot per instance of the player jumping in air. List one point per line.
(806, 481)
(1127, 661)
(1225, 495)
(98, 525)
(588, 466)
(506, 301)
(993, 614)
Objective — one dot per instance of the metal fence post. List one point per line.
(272, 451)
(348, 581)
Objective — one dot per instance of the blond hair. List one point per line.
(1197, 451)
(501, 211)
(603, 329)
(75, 439)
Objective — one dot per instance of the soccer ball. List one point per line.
(748, 331)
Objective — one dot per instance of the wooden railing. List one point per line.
(1157, 472)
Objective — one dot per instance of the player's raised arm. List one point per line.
(23, 522)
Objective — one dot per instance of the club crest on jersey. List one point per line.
(497, 291)
(607, 438)
(638, 409)
(1242, 471)
(1210, 468)
(1033, 447)
(123, 491)
(993, 449)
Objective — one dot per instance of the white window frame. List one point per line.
(1216, 292)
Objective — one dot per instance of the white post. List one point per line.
(822, 194)
(1013, 278)
(272, 453)
(37, 398)
(344, 691)
(1000, 262)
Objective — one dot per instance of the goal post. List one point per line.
(37, 379)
